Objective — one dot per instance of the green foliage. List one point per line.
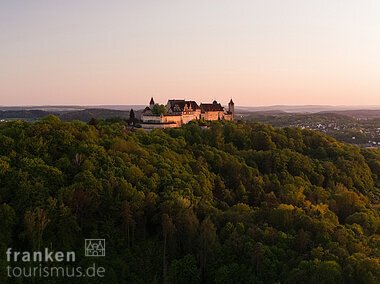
(159, 109)
(231, 203)
(184, 271)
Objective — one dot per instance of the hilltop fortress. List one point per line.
(179, 112)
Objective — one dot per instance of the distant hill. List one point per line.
(304, 108)
(82, 113)
(44, 108)
(360, 114)
(23, 114)
(87, 114)
(262, 113)
(59, 108)
(67, 115)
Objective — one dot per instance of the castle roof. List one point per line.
(147, 111)
(215, 106)
(152, 101)
(179, 105)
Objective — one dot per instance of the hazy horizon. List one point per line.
(260, 53)
(336, 107)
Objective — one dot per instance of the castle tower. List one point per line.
(151, 104)
(231, 108)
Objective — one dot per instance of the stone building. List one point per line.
(179, 112)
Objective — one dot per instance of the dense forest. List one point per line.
(231, 203)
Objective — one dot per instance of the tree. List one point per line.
(35, 223)
(168, 229)
(132, 120)
(159, 109)
(128, 220)
(262, 141)
(132, 114)
(184, 271)
(7, 221)
(208, 245)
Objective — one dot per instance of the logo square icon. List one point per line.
(95, 247)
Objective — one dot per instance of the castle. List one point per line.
(179, 112)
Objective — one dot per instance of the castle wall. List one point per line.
(151, 118)
(186, 118)
(178, 119)
(212, 115)
(228, 117)
(158, 125)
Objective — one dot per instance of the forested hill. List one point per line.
(234, 203)
(73, 114)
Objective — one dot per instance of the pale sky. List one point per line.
(89, 52)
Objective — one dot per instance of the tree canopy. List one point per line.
(231, 203)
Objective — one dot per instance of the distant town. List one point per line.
(355, 127)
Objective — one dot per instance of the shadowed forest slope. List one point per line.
(233, 203)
